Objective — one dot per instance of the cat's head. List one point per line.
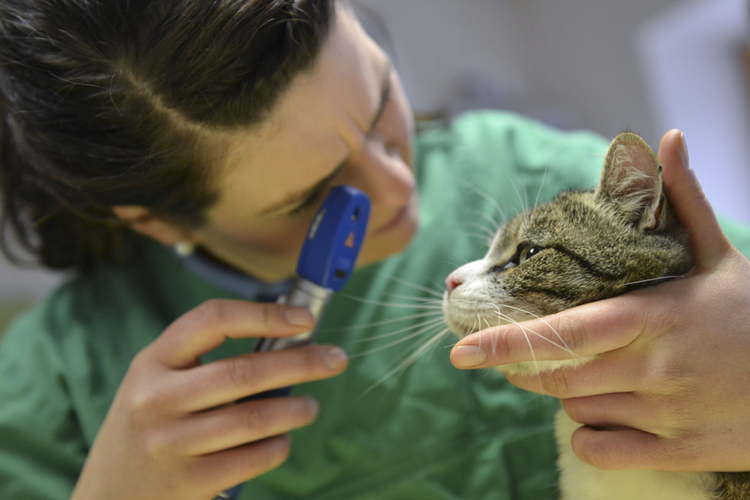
(581, 247)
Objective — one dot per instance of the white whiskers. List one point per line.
(389, 304)
(428, 323)
(541, 185)
(428, 326)
(407, 361)
(493, 202)
(652, 280)
(417, 287)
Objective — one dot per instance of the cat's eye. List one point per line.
(525, 252)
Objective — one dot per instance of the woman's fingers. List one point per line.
(618, 372)
(557, 337)
(231, 467)
(583, 331)
(648, 413)
(231, 379)
(617, 449)
(207, 326)
(708, 241)
(173, 423)
(243, 423)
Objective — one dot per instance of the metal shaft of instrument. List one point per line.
(305, 294)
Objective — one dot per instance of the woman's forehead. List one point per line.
(317, 122)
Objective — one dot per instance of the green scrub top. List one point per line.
(401, 422)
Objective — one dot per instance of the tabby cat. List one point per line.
(582, 247)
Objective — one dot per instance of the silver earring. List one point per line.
(184, 248)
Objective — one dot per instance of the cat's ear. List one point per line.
(631, 182)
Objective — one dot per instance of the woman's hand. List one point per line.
(172, 431)
(670, 388)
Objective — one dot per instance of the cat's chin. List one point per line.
(459, 331)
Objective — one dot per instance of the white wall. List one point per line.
(692, 73)
(568, 61)
(18, 285)
(437, 42)
(581, 53)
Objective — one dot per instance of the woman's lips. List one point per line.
(397, 218)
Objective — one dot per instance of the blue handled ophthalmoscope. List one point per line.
(327, 258)
(326, 262)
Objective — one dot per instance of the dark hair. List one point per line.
(123, 102)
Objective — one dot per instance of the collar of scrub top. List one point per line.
(231, 280)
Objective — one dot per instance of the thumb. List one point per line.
(690, 205)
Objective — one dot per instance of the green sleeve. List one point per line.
(42, 448)
(62, 362)
(738, 234)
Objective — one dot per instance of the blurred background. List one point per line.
(603, 65)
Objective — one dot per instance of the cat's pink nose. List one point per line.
(452, 282)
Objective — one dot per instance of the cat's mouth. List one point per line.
(466, 319)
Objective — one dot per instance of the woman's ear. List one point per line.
(139, 219)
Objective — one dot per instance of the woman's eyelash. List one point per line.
(308, 203)
(315, 196)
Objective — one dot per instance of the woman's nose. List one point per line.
(385, 175)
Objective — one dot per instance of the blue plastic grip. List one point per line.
(335, 237)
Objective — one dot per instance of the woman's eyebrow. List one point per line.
(299, 196)
(296, 198)
(385, 94)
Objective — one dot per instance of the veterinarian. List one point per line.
(216, 128)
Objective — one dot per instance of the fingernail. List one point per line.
(297, 316)
(684, 150)
(335, 358)
(312, 405)
(468, 356)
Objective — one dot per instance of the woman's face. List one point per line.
(346, 121)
